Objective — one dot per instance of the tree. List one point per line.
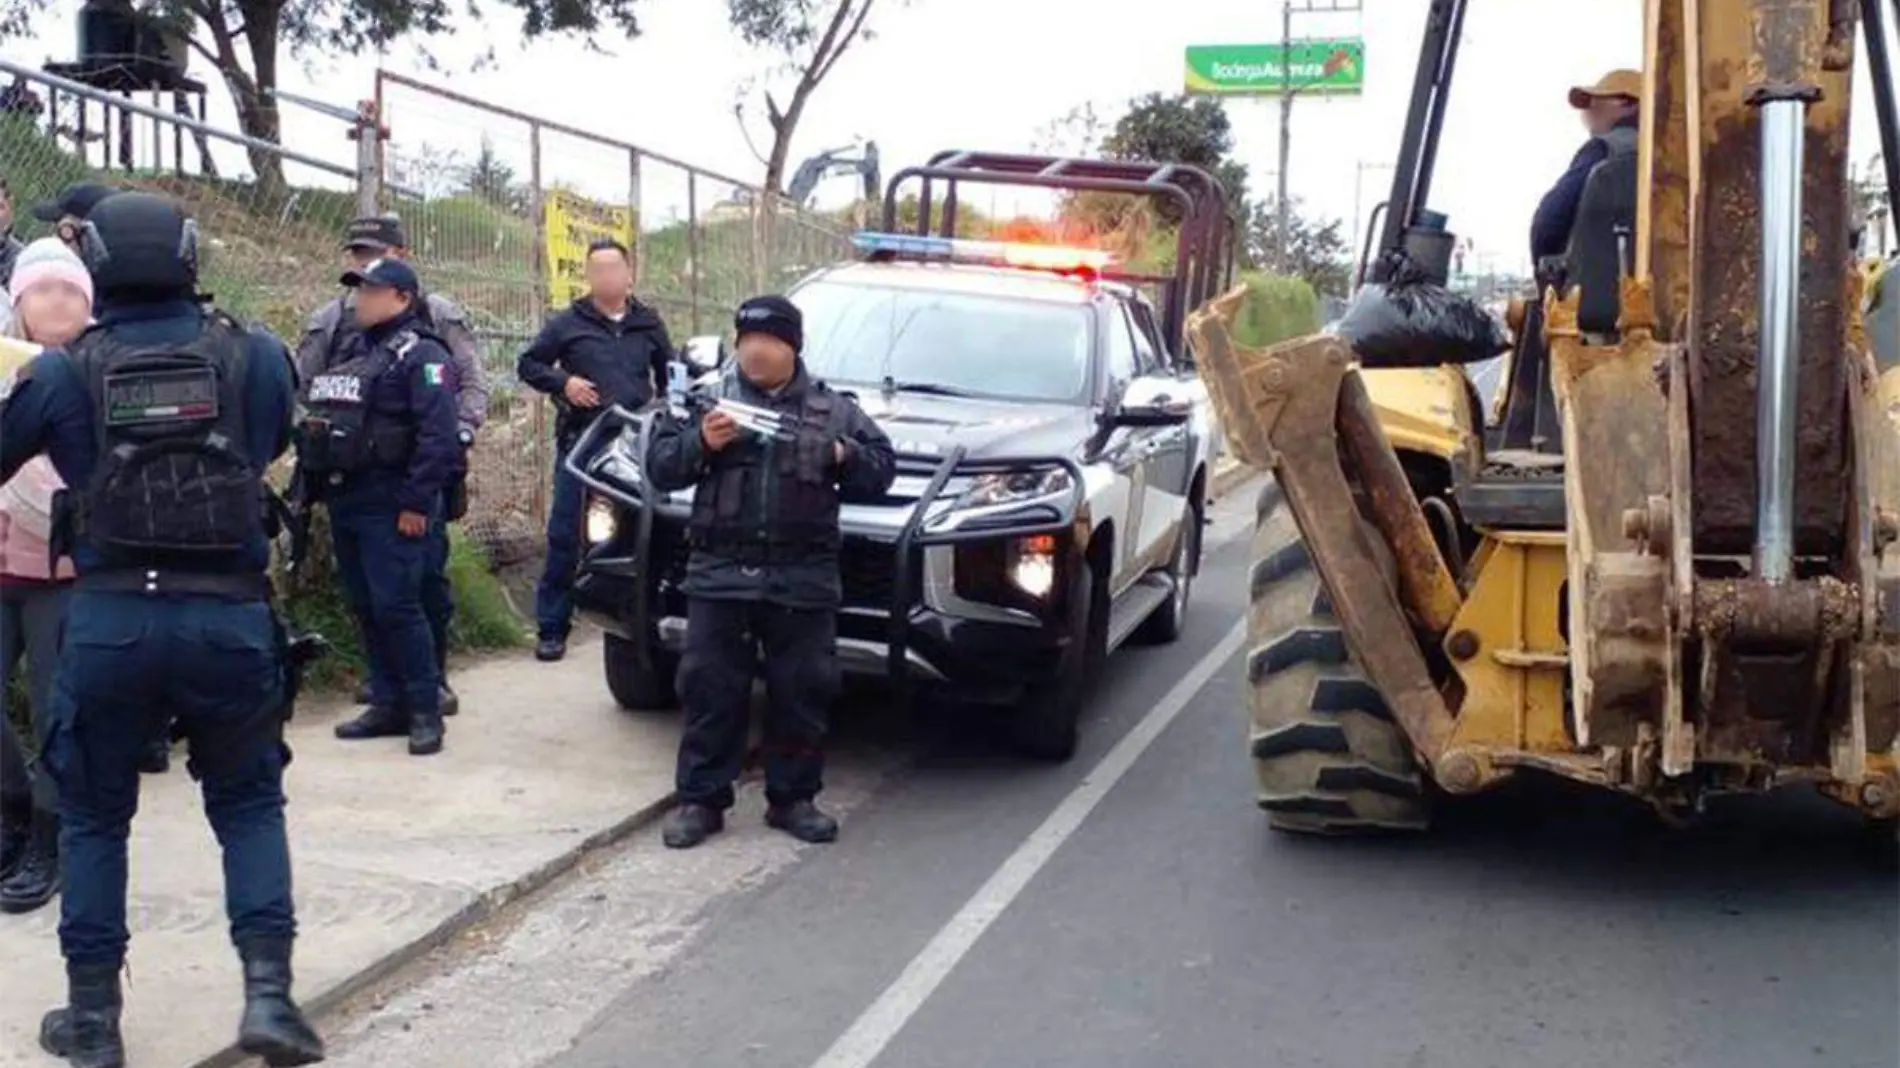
(492, 179)
(1180, 129)
(1315, 249)
(810, 36)
(243, 39)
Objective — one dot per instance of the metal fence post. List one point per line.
(638, 251)
(368, 133)
(695, 267)
(537, 207)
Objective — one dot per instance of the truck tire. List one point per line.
(1329, 757)
(635, 688)
(1046, 723)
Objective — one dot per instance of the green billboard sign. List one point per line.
(1329, 67)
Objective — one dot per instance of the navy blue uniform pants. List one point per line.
(725, 642)
(554, 596)
(129, 663)
(438, 599)
(383, 575)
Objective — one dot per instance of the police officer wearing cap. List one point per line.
(377, 444)
(763, 575)
(324, 342)
(163, 418)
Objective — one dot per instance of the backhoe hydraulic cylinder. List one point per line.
(1783, 128)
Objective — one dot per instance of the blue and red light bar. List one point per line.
(1059, 258)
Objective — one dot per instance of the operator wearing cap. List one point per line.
(163, 418)
(69, 209)
(377, 444)
(764, 572)
(324, 340)
(1611, 111)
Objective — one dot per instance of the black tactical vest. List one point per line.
(776, 497)
(174, 485)
(341, 433)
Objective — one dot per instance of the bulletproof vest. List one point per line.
(341, 432)
(174, 485)
(779, 494)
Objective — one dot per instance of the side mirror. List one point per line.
(706, 353)
(1151, 402)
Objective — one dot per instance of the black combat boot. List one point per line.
(550, 648)
(86, 1031)
(157, 759)
(377, 721)
(16, 827)
(691, 824)
(451, 704)
(36, 880)
(803, 821)
(425, 734)
(274, 1027)
(364, 695)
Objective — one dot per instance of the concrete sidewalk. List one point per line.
(393, 854)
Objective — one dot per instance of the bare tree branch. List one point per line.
(851, 35)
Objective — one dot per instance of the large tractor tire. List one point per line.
(1328, 754)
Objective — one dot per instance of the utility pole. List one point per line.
(1288, 8)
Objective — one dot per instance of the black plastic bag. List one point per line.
(1413, 323)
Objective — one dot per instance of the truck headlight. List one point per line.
(1032, 565)
(601, 521)
(1008, 487)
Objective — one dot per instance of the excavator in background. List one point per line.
(836, 161)
(1672, 567)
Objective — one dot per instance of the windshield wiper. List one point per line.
(935, 389)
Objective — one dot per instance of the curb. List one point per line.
(486, 905)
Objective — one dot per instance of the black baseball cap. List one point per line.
(76, 200)
(772, 315)
(377, 233)
(384, 273)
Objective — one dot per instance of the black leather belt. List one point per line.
(165, 582)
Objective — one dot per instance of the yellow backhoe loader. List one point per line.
(1670, 567)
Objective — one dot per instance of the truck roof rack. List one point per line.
(1204, 254)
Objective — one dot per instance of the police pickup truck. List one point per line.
(1053, 462)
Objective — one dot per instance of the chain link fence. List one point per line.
(479, 188)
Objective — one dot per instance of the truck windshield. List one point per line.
(955, 344)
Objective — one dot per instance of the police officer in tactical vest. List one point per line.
(763, 576)
(162, 419)
(378, 445)
(325, 340)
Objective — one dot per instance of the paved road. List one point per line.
(1130, 908)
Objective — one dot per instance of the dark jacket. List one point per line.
(677, 458)
(1557, 213)
(10, 247)
(50, 410)
(625, 360)
(418, 388)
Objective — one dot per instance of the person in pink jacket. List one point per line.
(50, 294)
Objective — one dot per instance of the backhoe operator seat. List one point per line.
(1608, 205)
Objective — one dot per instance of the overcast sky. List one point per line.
(993, 73)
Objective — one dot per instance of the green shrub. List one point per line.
(483, 618)
(1277, 308)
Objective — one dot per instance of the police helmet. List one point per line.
(140, 242)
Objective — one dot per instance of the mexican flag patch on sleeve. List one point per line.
(432, 373)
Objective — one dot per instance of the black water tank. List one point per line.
(108, 33)
(1428, 244)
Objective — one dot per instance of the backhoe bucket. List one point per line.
(1301, 410)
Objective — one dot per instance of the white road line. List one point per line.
(874, 1030)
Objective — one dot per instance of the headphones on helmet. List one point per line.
(94, 252)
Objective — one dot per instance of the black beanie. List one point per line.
(772, 315)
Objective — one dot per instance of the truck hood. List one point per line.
(930, 425)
